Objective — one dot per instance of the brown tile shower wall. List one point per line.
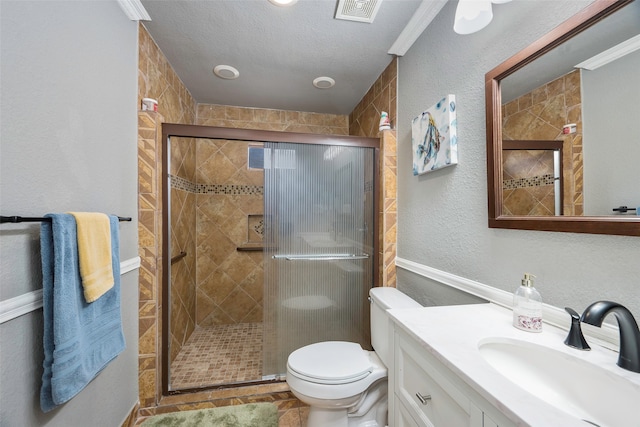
(364, 121)
(528, 190)
(183, 271)
(267, 119)
(230, 282)
(388, 207)
(150, 251)
(156, 79)
(183, 240)
(540, 115)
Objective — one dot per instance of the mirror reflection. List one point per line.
(581, 98)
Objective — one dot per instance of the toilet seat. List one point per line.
(343, 384)
(330, 362)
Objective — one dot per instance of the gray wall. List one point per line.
(611, 147)
(432, 293)
(68, 142)
(442, 216)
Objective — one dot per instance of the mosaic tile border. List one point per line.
(179, 183)
(228, 189)
(535, 181)
(257, 226)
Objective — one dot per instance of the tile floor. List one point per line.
(224, 354)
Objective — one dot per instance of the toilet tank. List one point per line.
(383, 299)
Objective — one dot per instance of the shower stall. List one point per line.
(270, 244)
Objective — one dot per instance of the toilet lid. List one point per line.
(331, 362)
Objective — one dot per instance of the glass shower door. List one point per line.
(319, 230)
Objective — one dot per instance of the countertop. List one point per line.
(452, 334)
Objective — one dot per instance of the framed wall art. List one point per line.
(434, 137)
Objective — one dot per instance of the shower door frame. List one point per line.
(212, 132)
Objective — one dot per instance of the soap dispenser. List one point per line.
(527, 306)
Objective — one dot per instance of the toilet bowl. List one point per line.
(345, 385)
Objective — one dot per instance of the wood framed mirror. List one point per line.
(502, 87)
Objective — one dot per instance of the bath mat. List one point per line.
(249, 415)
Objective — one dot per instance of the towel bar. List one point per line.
(321, 257)
(17, 219)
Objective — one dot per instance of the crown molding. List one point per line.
(610, 55)
(420, 20)
(134, 10)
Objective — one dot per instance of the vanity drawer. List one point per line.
(427, 393)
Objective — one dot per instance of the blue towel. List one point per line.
(80, 338)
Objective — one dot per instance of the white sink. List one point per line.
(573, 385)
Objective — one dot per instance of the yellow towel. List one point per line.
(94, 253)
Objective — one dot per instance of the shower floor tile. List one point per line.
(223, 354)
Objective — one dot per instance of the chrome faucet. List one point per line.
(629, 357)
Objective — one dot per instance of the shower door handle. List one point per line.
(320, 257)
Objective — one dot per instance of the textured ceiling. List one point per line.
(278, 50)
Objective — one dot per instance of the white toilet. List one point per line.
(344, 385)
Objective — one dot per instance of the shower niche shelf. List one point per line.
(255, 234)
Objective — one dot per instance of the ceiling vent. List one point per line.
(358, 10)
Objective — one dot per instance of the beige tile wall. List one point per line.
(364, 121)
(229, 288)
(150, 251)
(266, 119)
(388, 209)
(212, 204)
(540, 115)
(528, 186)
(183, 240)
(156, 79)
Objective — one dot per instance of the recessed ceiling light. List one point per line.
(324, 82)
(226, 72)
(283, 2)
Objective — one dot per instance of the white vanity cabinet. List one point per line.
(427, 393)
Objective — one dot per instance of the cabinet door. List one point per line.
(427, 393)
